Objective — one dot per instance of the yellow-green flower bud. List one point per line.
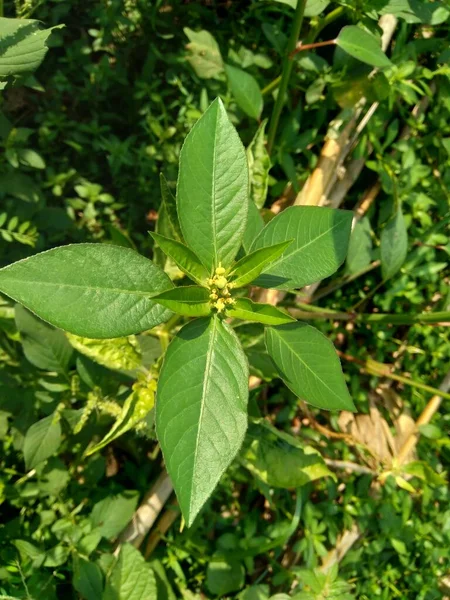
(221, 282)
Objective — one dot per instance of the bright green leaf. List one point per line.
(394, 245)
(190, 301)
(43, 345)
(42, 440)
(119, 354)
(88, 579)
(245, 90)
(204, 57)
(201, 409)
(92, 290)
(260, 313)
(131, 578)
(320, 241)
(259, 166)
(212, 193)
(183, 257)
(360, 248)
(363, 46)
(251, 266)
(309, 366)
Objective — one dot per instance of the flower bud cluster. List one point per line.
(219, 286)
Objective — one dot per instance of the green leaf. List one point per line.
(92, 290)
(313, 8)
(204, 57)
(224, 576)
(255, 224)
(119, 354)
(201, 409)
(259, 166)
(88, 579)
(394, 245)
(422, 470)
(279, 459)
(260, 313)
(309, 365)
(23, 46)
(320, 241)
(190, 301)
(131, 578)
(251, 266)
(245, 90)
(169, 204)
(42, 440)
(212, 195)
(113, 513)
(43, 345)
(360, 248)
(184, 258)
(363, 46)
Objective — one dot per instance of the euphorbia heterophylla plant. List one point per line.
(105, 291)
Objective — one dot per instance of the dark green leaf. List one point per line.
(251, 266)
(320, 241)
(42, 440)
(201, 414)
(169, 204)
(212, 193)
(92, 290)
(245, 90)
(260, 313)
(394, 245)
(184, 258)
(224, 576)
(309, 366)
(190, 301)
(88, 579)
(363, 46)
(113, 513)
(131, 578)
(259, 166)
(360, 248)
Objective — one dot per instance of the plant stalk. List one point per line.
(286, 73)
(308, 312)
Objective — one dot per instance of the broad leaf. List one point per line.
(204, 56)
(260, 313)
(131, 578)
(245, 90)
(309, 365)
(113, 513)
(23, 46)
(363, 46)
(320, 241)
(212, 193)
(42, 440)
(251, 266)
(394, 245)
(117, 353)
(92, 290)
(224, 576)
(201, 409)
(279, 459)
(360, 248)
(88, 579)
(183, 257)
(43, 345)
(190, 301)
(259, 166)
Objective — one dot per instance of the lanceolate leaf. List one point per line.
(309, 365)
(92, 290)
(261, 313)
(249, 267)
(320, 241)
(255, 224)
(184, 258)
(394, 245)
(42, 440)
(191, 301)
(169, 204)
(245, 90)
(259, 166)
(360, 247)
(201, 409)
(212, 194)
(362, 45)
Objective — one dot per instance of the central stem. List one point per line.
(286, 73)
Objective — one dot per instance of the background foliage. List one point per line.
(83, 141)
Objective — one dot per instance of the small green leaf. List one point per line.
(184, 258)
(280, 459)
(309, 366)
(113, 513)
(260, 313)
(88, 579)
(394, 245)
(23, 46)
(201, 409)
(363, 46)
(43, 345)
(212, 194)
(190, 301)
(42, 440)
(259, 166)
(245, 90)
(169, 204)
(224, 576)
(131, 578)
(320, 241)
(251, 266)
(205, 57)
(92, 290)
(360, 248)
